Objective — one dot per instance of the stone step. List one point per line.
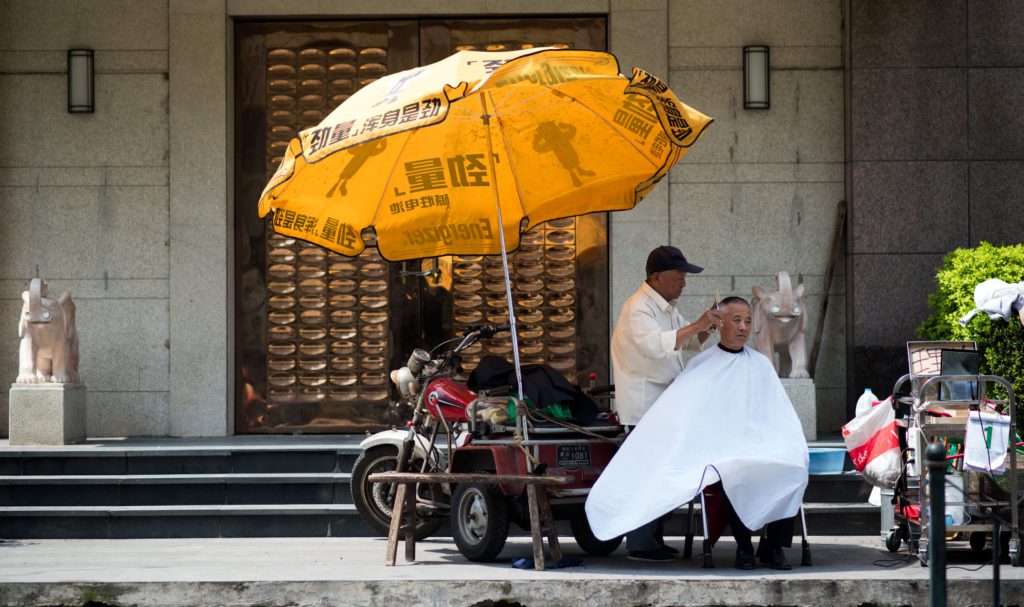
(100, 479)
(209, 461)
(842, 518)
(179, 489)
(264, 487)
(179, 510)
(304, 520)
(847, 486)
(251, 486)
(114, 522)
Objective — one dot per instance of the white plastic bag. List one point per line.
(874, 446)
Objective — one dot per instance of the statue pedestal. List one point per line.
(801, 393)
(47, 414)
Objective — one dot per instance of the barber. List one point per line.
(647, 354)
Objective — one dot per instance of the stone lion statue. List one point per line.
(49, 339)
(780, 322)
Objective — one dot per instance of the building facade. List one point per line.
(196, 321)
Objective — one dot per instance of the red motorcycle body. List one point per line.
(448, 399)
(583, 462)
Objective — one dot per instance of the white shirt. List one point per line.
(644, 358)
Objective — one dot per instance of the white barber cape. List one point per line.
(726, 417)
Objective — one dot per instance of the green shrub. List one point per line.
(1001, 343)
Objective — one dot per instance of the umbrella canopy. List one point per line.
(459, 157)
(424, 156)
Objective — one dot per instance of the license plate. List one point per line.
(573, 456)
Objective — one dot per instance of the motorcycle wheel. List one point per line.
(479, 521)
(374, 501)
(586, 539)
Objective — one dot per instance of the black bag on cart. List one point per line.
(541, 384)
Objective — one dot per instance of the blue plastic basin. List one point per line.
(826, 460)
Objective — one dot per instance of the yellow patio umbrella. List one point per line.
(436, 158)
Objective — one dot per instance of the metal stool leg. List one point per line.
(805, 552)
(708, 562)
(688, 545)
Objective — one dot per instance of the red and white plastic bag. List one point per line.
(873, 444)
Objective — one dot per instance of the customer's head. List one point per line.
(666, 271)
(737, 319)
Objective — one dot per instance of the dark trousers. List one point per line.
(779, 533)
(648, 536)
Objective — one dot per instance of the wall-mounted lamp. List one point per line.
(756, 81)
(81, 80)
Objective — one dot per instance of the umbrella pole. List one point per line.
(511, 312)
(504, 256)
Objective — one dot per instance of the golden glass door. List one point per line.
(555, 258)
(317, 333)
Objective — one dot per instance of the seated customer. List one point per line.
(726, 419)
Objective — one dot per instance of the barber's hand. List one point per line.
(712, 319)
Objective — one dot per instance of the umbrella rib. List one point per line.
(508, 157)
(394, 167)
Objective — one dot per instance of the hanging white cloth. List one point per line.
(997, 298)
(726, 417)
(985, 442)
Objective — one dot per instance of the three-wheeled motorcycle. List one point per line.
(456, 429)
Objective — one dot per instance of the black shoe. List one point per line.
(661, 554)
(744, 560)
(670, 549)
(775, 558)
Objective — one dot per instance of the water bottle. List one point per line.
(865, 402)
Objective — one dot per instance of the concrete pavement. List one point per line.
(349, 571)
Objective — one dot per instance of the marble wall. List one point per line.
(85, 197)
(937, 153)
(759, 193)
(137, 196)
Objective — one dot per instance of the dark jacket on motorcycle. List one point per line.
(542, 385)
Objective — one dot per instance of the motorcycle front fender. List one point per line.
(396, 438)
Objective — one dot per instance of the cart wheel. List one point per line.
(893, 541)
(586, 540)
(978, 540)
(374, 501)
(479, 521)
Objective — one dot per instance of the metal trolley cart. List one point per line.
(941, 397)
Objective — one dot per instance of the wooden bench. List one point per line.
(403, 514)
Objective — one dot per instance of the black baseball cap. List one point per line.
(667, 257)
